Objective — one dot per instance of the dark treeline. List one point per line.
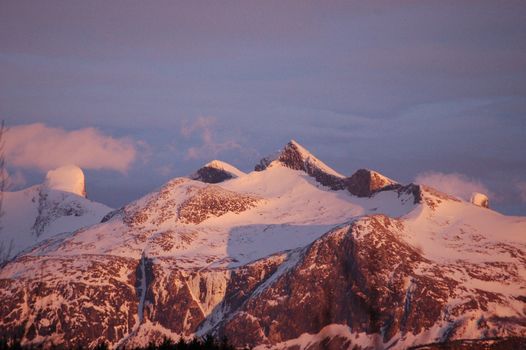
(208, 343)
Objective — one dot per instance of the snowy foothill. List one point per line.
(40, 212)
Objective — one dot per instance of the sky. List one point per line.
(137, 93)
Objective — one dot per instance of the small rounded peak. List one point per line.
(480, 199)
(68, 178)
(216, 171)
(365, 182)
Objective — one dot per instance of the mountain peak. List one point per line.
(68, 178)
(216, 171)
(295, 144)
(297, 157)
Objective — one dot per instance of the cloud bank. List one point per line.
(37, 146)
(458, 185)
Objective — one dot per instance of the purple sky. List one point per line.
(405, 88)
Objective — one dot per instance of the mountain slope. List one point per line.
(275, 259)
(39, 212)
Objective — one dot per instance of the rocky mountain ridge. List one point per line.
(280, 258)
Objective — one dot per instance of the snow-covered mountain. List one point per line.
(292, 255)
(40, 212)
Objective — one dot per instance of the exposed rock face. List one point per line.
(344, 279)
(426, 195)
(216, 172)
(294, 156)
(96, 303)
(365, 182)
(213, 201)
(200, 297)
(211, 175)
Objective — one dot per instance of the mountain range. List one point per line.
(292, 255)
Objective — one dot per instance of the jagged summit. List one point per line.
(297, 157)
(365, 182)
(216, 171)
(68, 178)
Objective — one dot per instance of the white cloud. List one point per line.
(458, 185)
(203, 127)
(38, 146)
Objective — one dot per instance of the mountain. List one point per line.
(40, 212)
(286, 257)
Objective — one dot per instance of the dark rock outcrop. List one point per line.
(216, 171)
(365, 182)
(211, 175)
